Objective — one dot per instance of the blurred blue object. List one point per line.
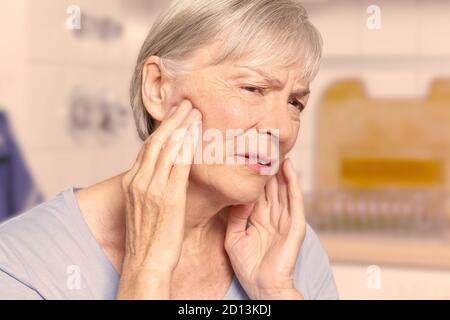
(18, 191)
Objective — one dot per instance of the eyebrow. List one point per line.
(277, 82)
(302, 93)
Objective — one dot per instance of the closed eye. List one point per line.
(253, 89)
(294, 102)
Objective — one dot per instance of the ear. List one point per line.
(153, 88)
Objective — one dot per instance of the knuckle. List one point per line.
(150, 139)
(177, 188)
(155, 140)
(154, 192)
(138, 186)
(165, 147)
(156, 206)
(125, 183)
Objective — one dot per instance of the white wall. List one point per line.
(41, 66)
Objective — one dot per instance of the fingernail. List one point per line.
(185, 105)
(196, 115)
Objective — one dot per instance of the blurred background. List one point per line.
(373, 154)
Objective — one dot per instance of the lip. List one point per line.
(260, 159)
(257, 163)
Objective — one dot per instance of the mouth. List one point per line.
(258, 159)
(257, 163)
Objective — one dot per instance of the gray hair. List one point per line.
(278, 32)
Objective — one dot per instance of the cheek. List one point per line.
(221, 105)
(289, 143)
(233, 113)
(222, 111)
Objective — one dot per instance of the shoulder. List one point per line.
(37, 226)
(32, 235)
(313, 275)
(43, 246)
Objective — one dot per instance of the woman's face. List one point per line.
(238, 95)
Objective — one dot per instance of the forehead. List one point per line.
(251, 65)
(204, 57)
(274, 76)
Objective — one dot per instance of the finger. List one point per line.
(295, 197)
(272, 197)
(127, 190)
(129, 175)
(293, 186)
(171, 112)
(171, 122)
(137, 163)
(261, 213)
(282, 190)
(271, 189)
(283, 199)
(154, 144)
(238, 217)
(283, 217)
(179, 175)
(171, 150)
(140, 156)
(132, 220)
(261, 202)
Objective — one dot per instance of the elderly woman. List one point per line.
(172, 227)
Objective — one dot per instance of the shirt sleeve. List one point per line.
(314, 276)
(13, 289)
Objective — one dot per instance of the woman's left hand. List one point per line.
(263, 255)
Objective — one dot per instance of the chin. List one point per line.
(235, 183)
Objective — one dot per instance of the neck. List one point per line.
(104, 211)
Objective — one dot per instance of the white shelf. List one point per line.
(382, 250)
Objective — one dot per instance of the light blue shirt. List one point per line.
(49, 252)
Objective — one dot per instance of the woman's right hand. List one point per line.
(155, 195)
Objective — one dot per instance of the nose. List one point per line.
(278, 120)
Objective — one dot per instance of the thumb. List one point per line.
(237, 218)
